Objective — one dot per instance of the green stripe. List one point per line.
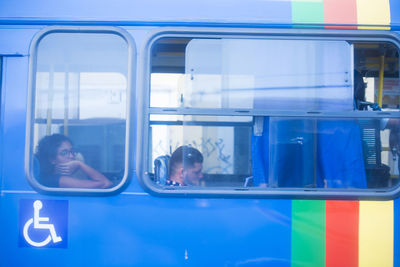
(308, 12)
(308, 233)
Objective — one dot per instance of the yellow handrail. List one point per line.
(380, 87)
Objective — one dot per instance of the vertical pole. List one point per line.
(66, 102)
(380, 88)
(50, 100)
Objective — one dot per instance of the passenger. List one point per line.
(60, 168)
(359, 91)
(186, 165)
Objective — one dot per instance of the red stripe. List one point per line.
(340, 12)
(341, 233)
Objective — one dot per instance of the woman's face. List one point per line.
(65, 153)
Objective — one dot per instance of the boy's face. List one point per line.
(192, 176)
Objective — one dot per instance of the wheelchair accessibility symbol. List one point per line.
(37, 222)
(43, 223)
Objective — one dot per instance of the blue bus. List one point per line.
(200, 133)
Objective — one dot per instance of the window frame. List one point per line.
(2, 105)
(145, 110)
(130, 109)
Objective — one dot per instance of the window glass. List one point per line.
(267, 74)
(288, 152)
(273, 114)
(80, 109)
(214, 137)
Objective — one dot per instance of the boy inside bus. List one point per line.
(186, 165)
(60, 168)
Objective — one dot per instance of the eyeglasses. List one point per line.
(67, 152)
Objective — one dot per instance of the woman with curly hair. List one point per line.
(59, 166)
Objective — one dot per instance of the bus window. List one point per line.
(79, 121)
(275, 115)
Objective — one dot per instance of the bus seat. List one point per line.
(161, 169)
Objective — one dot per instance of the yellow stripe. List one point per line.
(373, 28)
(376, 234)
(373, 12)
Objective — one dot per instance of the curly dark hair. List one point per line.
(47, 151)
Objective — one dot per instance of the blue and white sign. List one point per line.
(43, 223)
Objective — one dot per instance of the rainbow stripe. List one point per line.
(348, 14)
(345, 233)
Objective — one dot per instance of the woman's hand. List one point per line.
(68, 168)
(67, 179)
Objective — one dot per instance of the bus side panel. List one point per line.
(141, 230)
(15, 91)
(16, 41)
